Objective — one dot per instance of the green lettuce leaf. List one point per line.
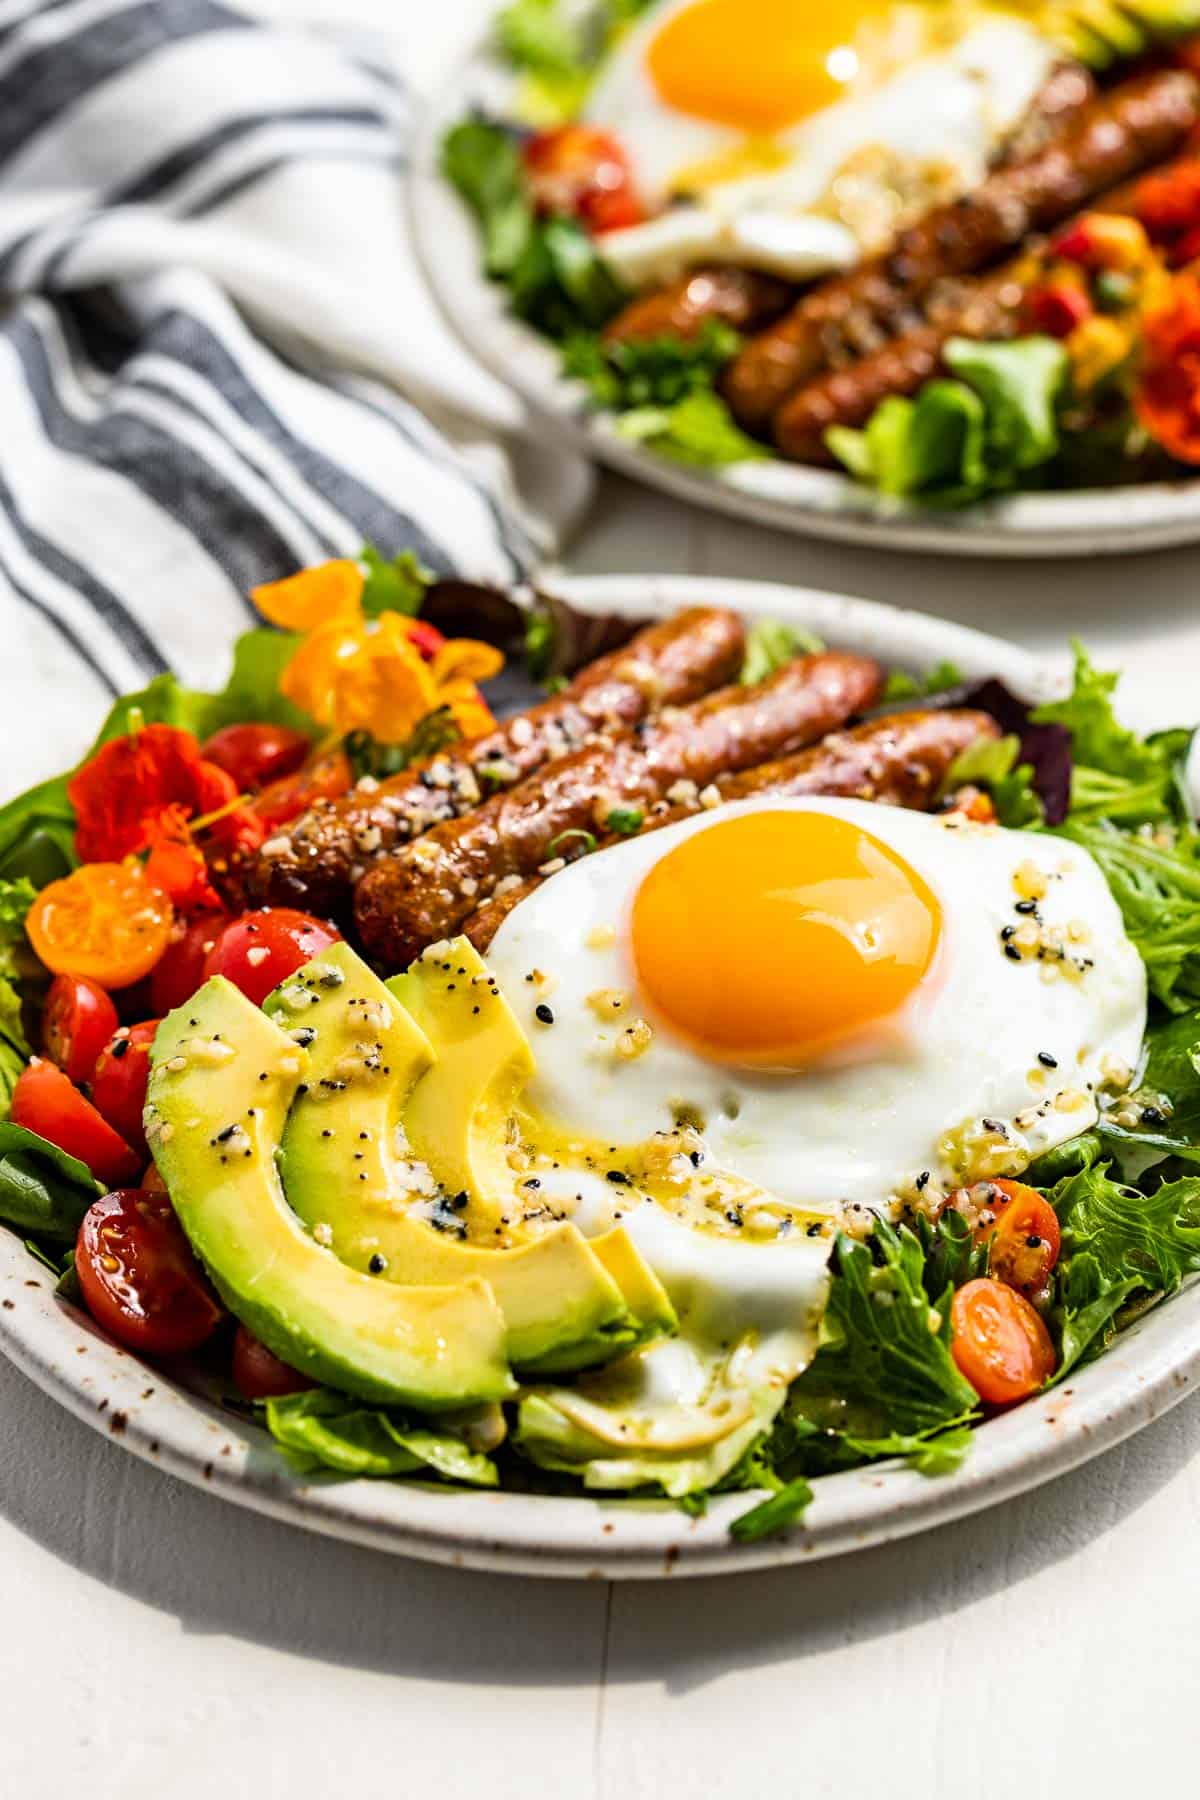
(885, 1343)
(321, 1429)
(994, 764)
(958, 440)
(655, 372)
(770, 643)
(1118, 1242)
(1118, 777)
(555, 278)
(43, 1191)
(699, 430)
(553, 1441)
(901, 685)
(1019, 383)
(1170, 1071)
(1157, 887)
(398, 584)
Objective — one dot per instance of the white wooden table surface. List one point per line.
(156, 1642)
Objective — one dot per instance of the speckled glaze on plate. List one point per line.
(818, 502)
(192, 1436)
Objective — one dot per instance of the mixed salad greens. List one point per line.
(1095, 1232)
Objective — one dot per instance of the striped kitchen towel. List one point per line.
(217, 362)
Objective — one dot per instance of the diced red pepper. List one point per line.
(1056, 308)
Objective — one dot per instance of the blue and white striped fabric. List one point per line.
(216, 360)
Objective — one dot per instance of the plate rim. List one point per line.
(1149, 1369)
(820, 503)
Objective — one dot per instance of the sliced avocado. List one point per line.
(456, 1119)
(563, 1307)
(223, 1077)
(1116, 25)
(644, 1293)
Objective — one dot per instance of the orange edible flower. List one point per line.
(377, 675)
(331, 590)
(1166, 397)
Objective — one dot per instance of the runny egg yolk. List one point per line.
(758, 65)
(771, 938)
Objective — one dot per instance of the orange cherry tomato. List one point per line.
(1023, 1238)
(105, 921)
(999, 1342)
(258, 1372)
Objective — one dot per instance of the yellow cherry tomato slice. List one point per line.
(104, 921)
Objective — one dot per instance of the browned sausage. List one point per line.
(315, 862)
(1127, 129)
(425, 891)
(986, 306)
(741, 297)
(1067, 89)
(990, 309)
(900, 760)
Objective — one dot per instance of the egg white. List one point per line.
(845, 1132)
(950, 110)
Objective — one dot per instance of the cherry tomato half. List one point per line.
(323, 779)
(576, 169)
(180, 969)
(119, 1083)
(1024, 1237)
(999, 1342)
(258, 1372)
(139, 1277)
(104, 921)
(260, 949)
(46, 1102)
(256, 754)
(78, 1020)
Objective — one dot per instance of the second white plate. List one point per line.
(819, 502)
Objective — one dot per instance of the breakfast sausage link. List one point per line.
(983, 306)
(315, 863)
(1129, 128)
(900, 760)
(423, 892)
(741, 297)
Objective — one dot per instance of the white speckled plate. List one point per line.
(153, 1414)
(821, 503)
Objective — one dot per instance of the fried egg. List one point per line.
(792, 138)
(817, 1005)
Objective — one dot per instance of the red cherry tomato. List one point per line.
(258, 1372)
(78, 1020)
(152, 1180)
(180, 968)
(141, 1282)
(260, 949)
(323, 779)
(1023, 1237)
(119, 1083)
(999, 1342)
(45, 1101)
(578, 170)
(256, 754)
